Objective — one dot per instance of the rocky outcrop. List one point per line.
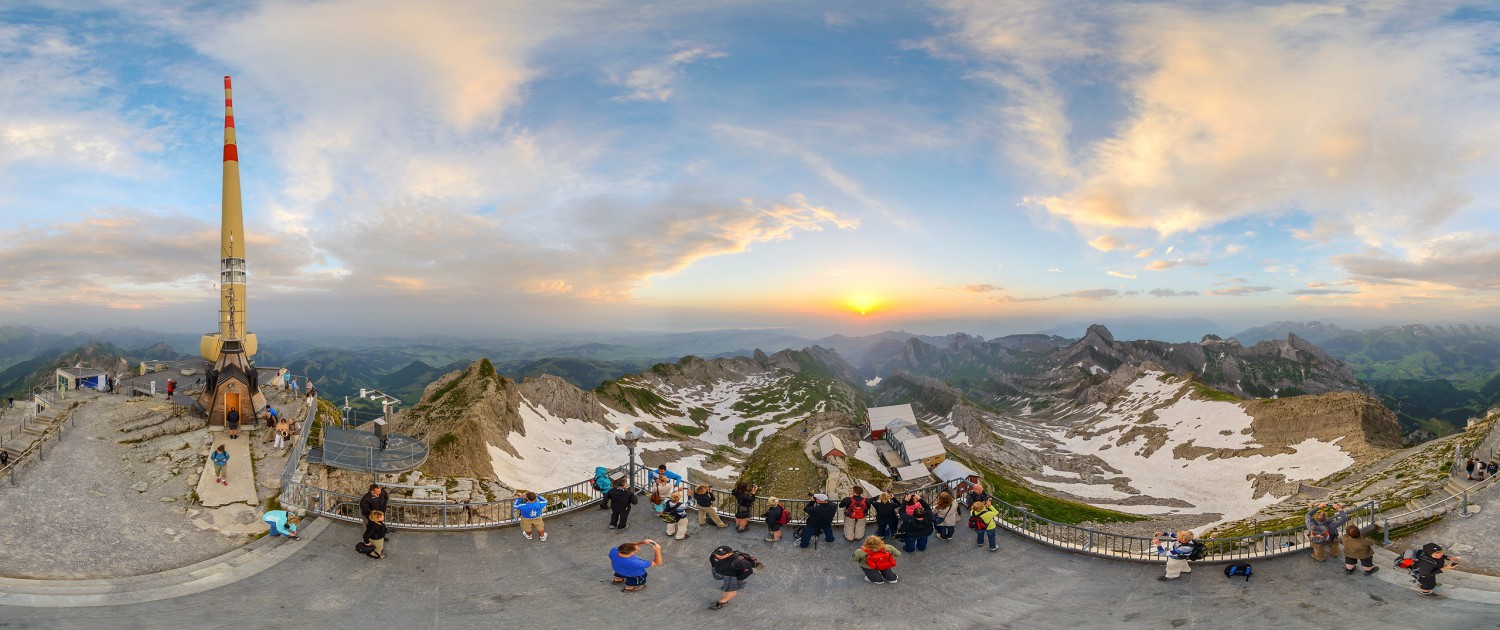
(1360, 425)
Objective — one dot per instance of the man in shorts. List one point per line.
(530, 507)
(732, 568)
(629, 569)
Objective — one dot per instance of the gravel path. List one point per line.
(76, 514)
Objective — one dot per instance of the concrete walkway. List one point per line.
(493, 578)
(238, 472)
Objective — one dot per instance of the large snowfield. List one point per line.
(555, 452)
(1211, 484)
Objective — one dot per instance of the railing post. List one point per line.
(1385, 533)
(1465, 499)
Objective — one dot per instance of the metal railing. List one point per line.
(427, 515)
(53, 429)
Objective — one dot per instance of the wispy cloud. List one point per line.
(654, 82)
(1172, 293)
(1239, 290)
(1121, 274)
(1091, 294)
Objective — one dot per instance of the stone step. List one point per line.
(31, 428)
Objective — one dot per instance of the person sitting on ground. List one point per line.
(877, 560)
(1359, 549)
(886, 518)
(1178, 555)
(1430, 562)
(375, 532)
(281, 523)
(629, 569)
(375, 499)
(732, 568)
(704, 497)
(776, 516)
(1323, 524)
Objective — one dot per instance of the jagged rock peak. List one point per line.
(1098, 331)
(760, 356)
(1211, 338)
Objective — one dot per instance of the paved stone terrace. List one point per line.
(494, 578)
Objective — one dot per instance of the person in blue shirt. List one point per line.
(530, 507)
(1178, 550)
(629, 569)
(281, 523)
(662, 471)
(220, 458)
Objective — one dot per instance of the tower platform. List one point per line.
(351, 449)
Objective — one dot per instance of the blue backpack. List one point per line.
(1238, 569)
(601, 479)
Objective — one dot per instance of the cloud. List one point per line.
(1159, 265)
(1145, 253)
(1172, 293)
(1239, 290)
(976, 288)
(1323, 292)
(654, 82)
(1233, 248)
(1121, 274)
(1462, 260)
(1091, 294)
(1107, 243)
(1235, 109)
(1054, 270)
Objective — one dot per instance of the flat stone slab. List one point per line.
(241, 488)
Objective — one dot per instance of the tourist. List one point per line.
(171, 387)
(732, 568)
(220, 459)
(945, 516)
(4, 458)
(1430, 562)
(232, 420)
(630, 570)
(1323, 524)
(664, 483)
(744, 499)
(295, 388)
(281, 523)
(706, 512)
(530, 507)
(975, 494)
(988, 523)
(1178, 555)
(776, 516)
(856, 509)
(913, 503)
(886, 518)
(673, 511)
(916, 529)
(1469, 468)
(820, 515)
(877, 560)
(620, 500)
(375, 499)
(1359, 549)
(283, 431)
(10, 402)
(1493, 468)
(603, 485)
(375, 531)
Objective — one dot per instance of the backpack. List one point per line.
(784, 518)
(857, 510)
(754, 561)
(1199, 550)
(1408, 560)
(976, 523)
(668, 516)
(1238, 569)
(880, 560)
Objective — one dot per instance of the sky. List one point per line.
(824, 166)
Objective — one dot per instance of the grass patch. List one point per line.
(780, 467)
(698, 414)
(720, 455)
(1060, 510)
(689, 429)
(859, 469)
(1204, 392)
(447, 441)
(274, 503)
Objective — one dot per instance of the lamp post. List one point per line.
(628, 435)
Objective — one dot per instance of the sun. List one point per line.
(862, 302)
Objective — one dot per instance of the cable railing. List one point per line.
(37, 448)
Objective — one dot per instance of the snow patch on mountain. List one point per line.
(555, 452)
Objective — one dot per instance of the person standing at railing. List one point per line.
(1358, 549)
(975, 494)
(673, 511)
(987, 524)
(629, 569)
(856, 509)
(1178, 554)
(374, 500)
(603, 485)
(820, 515)
(620, 499)
(529, 507)
(1323, 524)
(886, 514)
(945, 516)
(776, 516)
(744, 499)
(662, 475)
(704, 497)
(916, 530)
